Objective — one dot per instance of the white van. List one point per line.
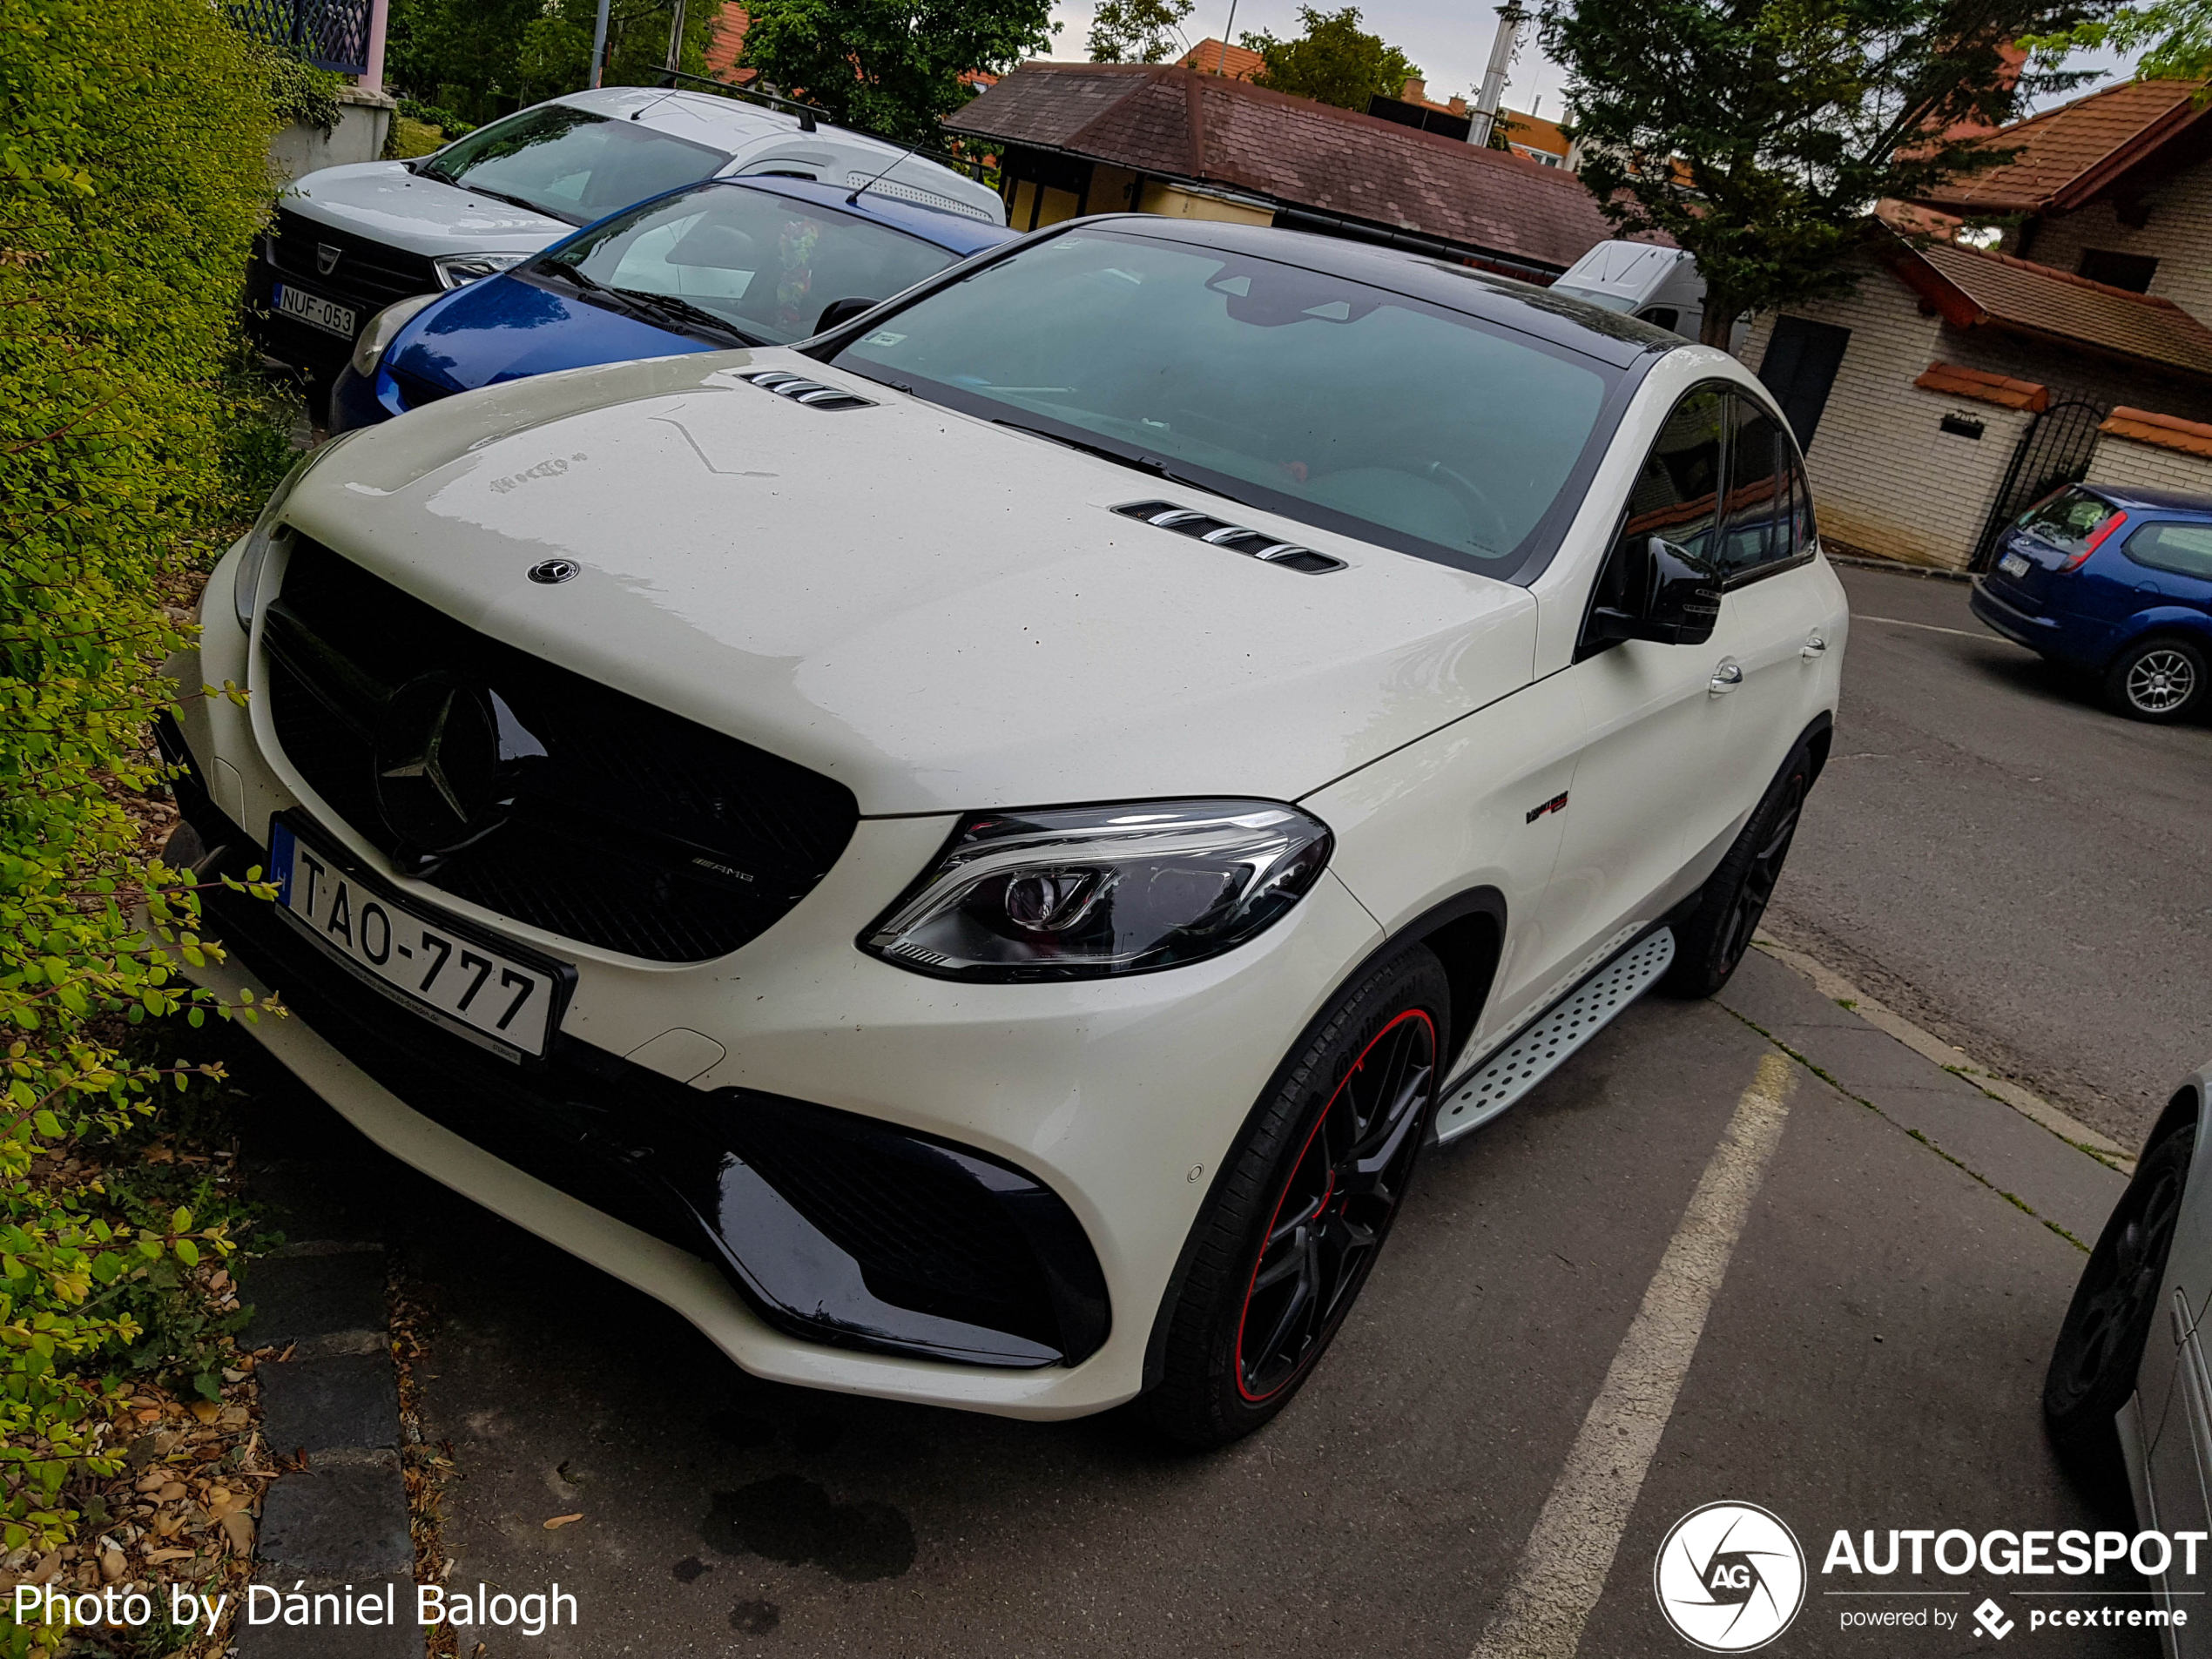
(1660, 284)
(350, 240)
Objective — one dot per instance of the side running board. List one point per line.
(1529, 1058)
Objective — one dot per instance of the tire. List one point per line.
(2100, 1345)
(1709, 944)
(1303, 1205)
(2161, 679)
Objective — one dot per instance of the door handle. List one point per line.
(1726, 677)
(1816, 645)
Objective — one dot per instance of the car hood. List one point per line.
(941, 613)
(502, 328)
(385, 202)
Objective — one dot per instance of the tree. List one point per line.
(1760, 135)
(1334, 61)
(482, 57)
(2174, 38)
(891, 66)
(1138, 31)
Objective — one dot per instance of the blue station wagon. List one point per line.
(2117, 582)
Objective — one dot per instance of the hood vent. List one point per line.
(1218, 532)
(814, 393)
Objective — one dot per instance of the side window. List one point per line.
(1803, 533)
(2186, 549)
(1756, 525)
(1676, 496)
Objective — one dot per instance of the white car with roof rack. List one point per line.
(350, 240)
(972, 855)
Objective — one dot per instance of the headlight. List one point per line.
(245, 585)
(1081, 892)
(458, 270)
(368, 350)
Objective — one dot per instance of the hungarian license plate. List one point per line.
(315, 311)
(2013, 564)
(452, 978)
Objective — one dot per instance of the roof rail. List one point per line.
(809, 114)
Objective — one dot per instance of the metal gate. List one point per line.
(330, 34)
(2053, 450)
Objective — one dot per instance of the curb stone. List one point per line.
(339, 1522)
(1951, 1057)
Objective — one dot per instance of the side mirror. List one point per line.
(1679, 600)
(840, 310)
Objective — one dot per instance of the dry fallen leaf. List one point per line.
(561, 1521)
(206, 1410)
(156, 1557)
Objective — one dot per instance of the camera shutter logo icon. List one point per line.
(1729, 1577)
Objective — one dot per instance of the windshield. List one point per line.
(570, 164)
(1311, 394)
(762, 265)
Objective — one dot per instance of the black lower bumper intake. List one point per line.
(836, 1228)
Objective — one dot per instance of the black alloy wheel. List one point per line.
(1337, 1204)
(2108, 1323)
(1710, 945)
(1302, 1206)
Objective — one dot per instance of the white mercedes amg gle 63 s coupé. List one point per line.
(972, 855)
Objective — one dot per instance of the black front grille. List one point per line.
(934, 1228)
(637, 830)
(366, 271)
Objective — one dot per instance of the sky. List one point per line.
(1451, 42)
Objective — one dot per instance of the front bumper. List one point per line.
(1105, 1107)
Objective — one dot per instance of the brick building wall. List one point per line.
(1886, 478)
(2177, 232)
(2123, 461)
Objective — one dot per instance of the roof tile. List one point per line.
(2167, 431)
(2000, 389)
(2063, 153)
(2036, 300)
(1177, 122)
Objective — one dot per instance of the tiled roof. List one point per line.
(1174, 122)
(1974, 288)
(2167, 431)
(725, 40)
(1217, 57)
(2069, 157)
(1979, 383)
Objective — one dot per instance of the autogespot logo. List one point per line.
(1729, 1577)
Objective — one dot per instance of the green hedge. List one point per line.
(133, 176)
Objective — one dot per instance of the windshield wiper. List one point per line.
(1145, 463)
(511, 201)
(684, 311)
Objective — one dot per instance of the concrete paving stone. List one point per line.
(1769, 993)
(400, 1641)
(317, 1200)
(347, 1521)
(337, 1402)
(296, 1298)
(2059, 1181)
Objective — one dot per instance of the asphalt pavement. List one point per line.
(2003, 861)
(1870, 1359)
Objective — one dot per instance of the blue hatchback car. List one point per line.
(2114, 581)
(756, 261)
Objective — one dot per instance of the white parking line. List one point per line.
(1926, 627)
(1570, 1553)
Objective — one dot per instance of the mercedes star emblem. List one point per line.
(438, 763)
(551, 571)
